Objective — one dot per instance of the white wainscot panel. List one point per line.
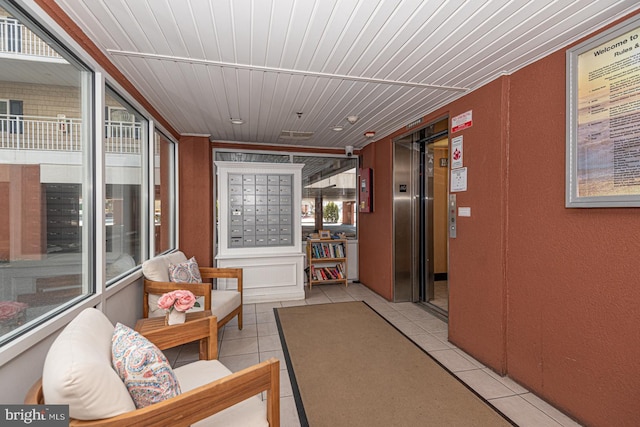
(269, 278)
(352, 260)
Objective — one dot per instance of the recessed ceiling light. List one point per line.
(370, 134)
(237, 121)
(337, 128)
(352, 119)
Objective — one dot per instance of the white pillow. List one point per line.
(77, 370)
(157, 269)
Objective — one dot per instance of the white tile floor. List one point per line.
(259, 340)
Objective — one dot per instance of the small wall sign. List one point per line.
(462, 121)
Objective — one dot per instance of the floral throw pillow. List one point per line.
(185, 272)
(142, 367)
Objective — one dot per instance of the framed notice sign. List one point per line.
(603, 119)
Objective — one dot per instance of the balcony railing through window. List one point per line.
(18, 39)
(64, 134)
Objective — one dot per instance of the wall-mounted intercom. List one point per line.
(365, 190)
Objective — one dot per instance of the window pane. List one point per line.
(44, 135)
(125, 142)
(252, 157)
(328, 195)
(164, 188)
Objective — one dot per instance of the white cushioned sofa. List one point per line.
(78, 372)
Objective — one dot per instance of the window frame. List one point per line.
(173, 192)
(145, 141)
(25, 337)
(95, 81)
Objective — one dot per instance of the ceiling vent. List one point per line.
(295, 135)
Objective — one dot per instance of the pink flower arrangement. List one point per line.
(180, 300)
(11, 309)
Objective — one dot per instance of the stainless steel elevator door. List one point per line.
(405, 174)
(420, 240)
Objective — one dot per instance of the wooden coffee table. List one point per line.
(200, 325)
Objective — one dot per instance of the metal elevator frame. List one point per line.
(413, 165)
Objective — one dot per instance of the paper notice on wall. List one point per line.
(458, 180)
(608, 118)
(464, 211)
(456, 152)
(462, 121)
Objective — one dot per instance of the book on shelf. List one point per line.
(327, 273)
(327, 250)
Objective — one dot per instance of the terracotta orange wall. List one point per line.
(33, 219)
(195, 183)
(476, 255)
(375, 249)
(23, 223)
(572, 274)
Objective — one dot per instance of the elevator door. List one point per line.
(420, 193)
(405, 212)
(434, 281)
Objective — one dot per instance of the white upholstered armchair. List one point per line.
(79, 372)
(224, 304)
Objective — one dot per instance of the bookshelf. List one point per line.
(327, 261)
